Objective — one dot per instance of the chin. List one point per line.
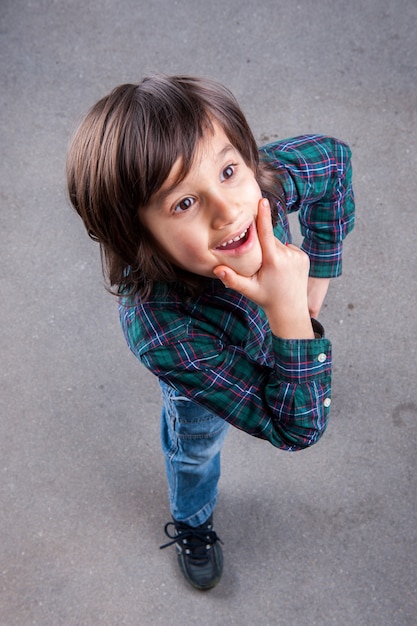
(252, 271)
(246, 267)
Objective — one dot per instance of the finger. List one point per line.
(265, 229)
(232, 280)
(264, 222)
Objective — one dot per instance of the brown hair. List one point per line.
(122, 153)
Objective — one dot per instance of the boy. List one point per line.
(214, 299)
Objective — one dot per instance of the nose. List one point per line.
(223, 211)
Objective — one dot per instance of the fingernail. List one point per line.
(265, 202)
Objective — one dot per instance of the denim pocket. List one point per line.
(190, 419)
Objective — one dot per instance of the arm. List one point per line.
(286, 402)
(316, 293)
(279, 390)
(316, 174)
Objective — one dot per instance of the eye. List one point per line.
(184, 205)
(228, 172)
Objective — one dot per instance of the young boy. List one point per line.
(214, 299)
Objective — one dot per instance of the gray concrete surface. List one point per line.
(325, 537)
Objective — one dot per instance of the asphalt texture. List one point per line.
(322, 537)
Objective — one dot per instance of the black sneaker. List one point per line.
(199, 552)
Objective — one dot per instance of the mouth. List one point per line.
(236, 241)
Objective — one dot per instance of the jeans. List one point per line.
(192, 438)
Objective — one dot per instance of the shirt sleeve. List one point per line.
(286, 403)
(316, 175)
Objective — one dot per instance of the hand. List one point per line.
(316, 293)
(280, 285)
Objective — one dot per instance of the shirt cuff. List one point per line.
(325, 258)
(303, 360)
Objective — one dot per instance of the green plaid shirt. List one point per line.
(316, 174)
(218, 350)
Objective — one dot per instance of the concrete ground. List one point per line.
(323, 537)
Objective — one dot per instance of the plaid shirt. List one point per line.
(218, 349)
(317, 178)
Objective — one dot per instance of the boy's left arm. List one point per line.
(316, 174)
(316, 293)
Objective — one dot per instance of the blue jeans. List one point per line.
(192, 438)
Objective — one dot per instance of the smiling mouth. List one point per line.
(234, 243)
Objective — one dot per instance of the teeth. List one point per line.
(223, 245)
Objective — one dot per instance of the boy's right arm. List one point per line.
(285, 401)
(280, 287)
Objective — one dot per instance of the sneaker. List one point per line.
(199, 552)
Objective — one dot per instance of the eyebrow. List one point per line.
(161, 195)
(224, 151)
(228, 148)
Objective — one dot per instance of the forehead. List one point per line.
(213, 146)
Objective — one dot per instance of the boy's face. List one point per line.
(209, 218)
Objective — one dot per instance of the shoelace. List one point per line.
(196, 540)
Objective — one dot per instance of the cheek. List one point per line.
(187, 252)
(252, 193)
